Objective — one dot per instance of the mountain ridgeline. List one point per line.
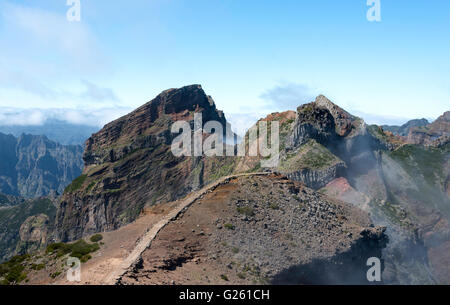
(55, 130)
(400, 180)
(343, 191)
(34, 166)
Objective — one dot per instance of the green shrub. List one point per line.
(224, 277)
(246, 210)
(16, 274)
(3, 269)
(37, 267)
(85, 258)
(18, 259)
(229, 226)
(59, 248)
(55, 275)
(82, 248)
(78, 249)
(96, 238)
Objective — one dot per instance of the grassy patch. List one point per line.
(229, 226)
(246, 210)
(241, 276)
(311, 155)
(75, 185)
(274, 206)
(37, 267)
(79, 249)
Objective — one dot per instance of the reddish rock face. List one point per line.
(153, 118)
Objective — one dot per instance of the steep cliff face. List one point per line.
(312, 122)
(129, 164)
(33, 166)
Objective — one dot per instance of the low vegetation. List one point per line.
(311, 155)
(75, 185)
(12, 271)
(246, 210)
(79, 249)
(229, 226)
(96, 238)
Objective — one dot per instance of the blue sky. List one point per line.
(252, 57)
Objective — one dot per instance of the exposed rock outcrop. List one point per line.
(34, 233)
(312, 122)
(318, 178)
(26, 227)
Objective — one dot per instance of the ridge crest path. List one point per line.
(145, 241)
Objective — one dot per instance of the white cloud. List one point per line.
(97, 93)
(288, 96)
(43, 56)
(39, 30)
(92, 117)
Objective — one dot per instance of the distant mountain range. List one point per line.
(424, 133)
(405, 128)
(33, 166)
(56, 130)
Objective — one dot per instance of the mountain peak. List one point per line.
(343, 119)
(153, 118)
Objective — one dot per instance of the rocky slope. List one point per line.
(262, 229)
(129, 165)
(33, 166)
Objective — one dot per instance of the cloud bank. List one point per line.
(91, 117)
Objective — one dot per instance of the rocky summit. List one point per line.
(129, 165)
